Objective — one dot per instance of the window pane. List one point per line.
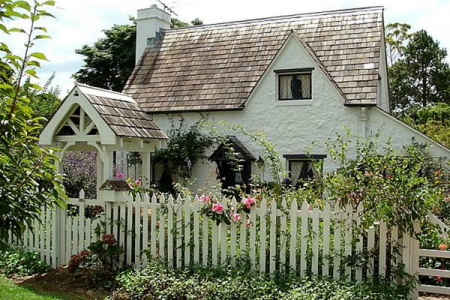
(304, 85)
(285, 87)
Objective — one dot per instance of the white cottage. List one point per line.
(298, 78)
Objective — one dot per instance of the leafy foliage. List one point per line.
(227, 282)
(28, 178)
(109, 62)
(21, 262)
(184, 148)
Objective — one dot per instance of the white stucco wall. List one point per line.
(293, 126)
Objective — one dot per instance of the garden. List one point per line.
(345, 234)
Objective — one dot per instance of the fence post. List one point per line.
(414, 266)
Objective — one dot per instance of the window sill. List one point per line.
(294, 103)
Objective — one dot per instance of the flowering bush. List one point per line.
(215, 210)
(102, 255)
(80, 170)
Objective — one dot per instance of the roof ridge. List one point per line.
(101, 89)
(282, 17)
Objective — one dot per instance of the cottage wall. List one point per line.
(293, 126)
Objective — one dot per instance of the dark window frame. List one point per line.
(290, 158)
(291, 73)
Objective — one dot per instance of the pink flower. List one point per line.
(217, 208)
(339, 199)
(248, 202)
(247, 224)
(119, 175)
(138, 182)
(446, 198)
(236, 217)
(205, 199)
(310, 207)
(443, 247)
(389, 176)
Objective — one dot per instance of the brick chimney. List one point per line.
(150, 22)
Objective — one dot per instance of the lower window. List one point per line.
(303, 168)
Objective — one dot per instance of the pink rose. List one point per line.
(217, 207)
(248, 202)
(119, 175)
(137, 182)
(205, 199)
(236, 217)
(247, 224)
(443, 247)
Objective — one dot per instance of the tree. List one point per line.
(28, 177)
(396, 37)
(421, 76)
(110, 61)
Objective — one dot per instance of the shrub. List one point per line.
(159, 282)
(21, 262)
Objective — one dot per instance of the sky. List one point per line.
(80, 22)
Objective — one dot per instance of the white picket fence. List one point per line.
(299, 238)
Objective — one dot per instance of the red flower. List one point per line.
(108, 239)
(443, 247)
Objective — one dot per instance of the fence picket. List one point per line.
(253, 236)
(137, 232)
(348, 239)
(382, 254)
(179, 226)
(205, 240)
(195, 209)
(215, 243)
(394, 245)
(170, 232)
(283, 231)
(304, 239)
(273, 237)
(293, 239)
(187, 231)
(315, 242)
(162, 230)
(233, 234)
(370, 247)
(326, 241)
(116, 218)
(81, 227)
(359, 243)
(129, 231)
(122, 229)
(145, 224)
(262, 236)
(337, 242)
(223, 237)
(243, 235)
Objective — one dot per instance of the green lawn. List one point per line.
(10, 291)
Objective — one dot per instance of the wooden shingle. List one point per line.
(193, 68)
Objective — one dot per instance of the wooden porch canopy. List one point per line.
(96, 119)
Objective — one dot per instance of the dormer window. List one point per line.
(295, 84)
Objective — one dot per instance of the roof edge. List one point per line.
(282, 17)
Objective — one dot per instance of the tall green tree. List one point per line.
(28, 177)
(109, 62)
(421, 76)
(397, 35)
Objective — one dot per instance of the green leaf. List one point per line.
(15, 29)
(38, 55)
(4, 29)
(23, 4)
(50, 3)
(41, 28)
(42, 36)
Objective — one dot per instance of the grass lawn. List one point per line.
(11, 291)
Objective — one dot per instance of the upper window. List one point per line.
(294, 84)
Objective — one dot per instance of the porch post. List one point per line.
(146, 169)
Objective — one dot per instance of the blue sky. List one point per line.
(80, 22)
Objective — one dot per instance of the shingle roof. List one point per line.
(122, 114)
(216, 67)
